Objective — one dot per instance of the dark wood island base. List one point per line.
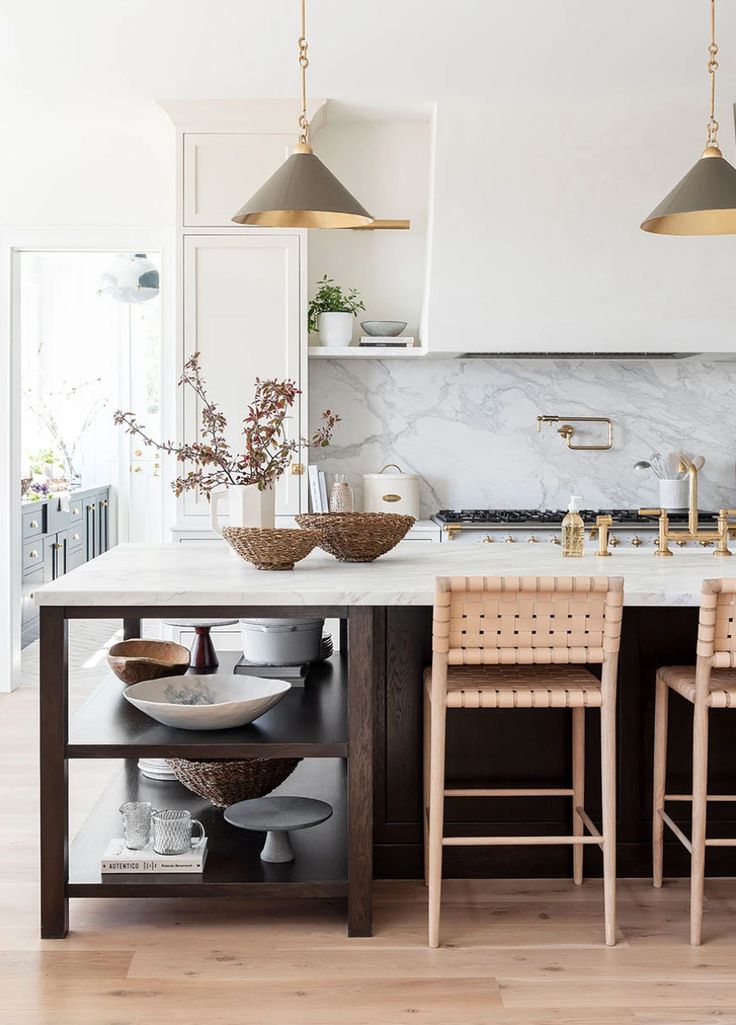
(365, 712)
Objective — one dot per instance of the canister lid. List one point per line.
(282, 625)
(399, 475)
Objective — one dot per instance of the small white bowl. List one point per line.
(212, 702)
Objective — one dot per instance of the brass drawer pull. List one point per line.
(33, 525)
(75, 512)
(33, 554)
(75, 537)
(390, 498)
(58, 547)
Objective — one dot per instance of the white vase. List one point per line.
(335, 328)
(247, 506)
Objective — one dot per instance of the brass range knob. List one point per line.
(707, 544)
(488, 540)
(680, 544)
(556, 541)
(533, 540)
(614, 542)
(510, 540)
(636, 541)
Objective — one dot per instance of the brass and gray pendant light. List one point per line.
(303, 193)
(704, 202)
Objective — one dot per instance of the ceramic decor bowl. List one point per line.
(138, 659)
(213, 702)
(357, 537)
(383, 328)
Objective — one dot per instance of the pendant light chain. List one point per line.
(712, 126)
(304, 64)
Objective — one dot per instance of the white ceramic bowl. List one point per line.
(383, 328)
(212, 702)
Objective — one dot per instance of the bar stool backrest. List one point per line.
(717, 625)
(526, 620)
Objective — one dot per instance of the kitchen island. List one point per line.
(358, 725)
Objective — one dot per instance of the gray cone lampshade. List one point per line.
(303, 193)
(703, 203)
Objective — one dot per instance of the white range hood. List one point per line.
(534, 244)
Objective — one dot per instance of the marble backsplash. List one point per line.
(467, 427)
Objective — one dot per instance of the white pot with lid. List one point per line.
(391, 492)
(281, 642)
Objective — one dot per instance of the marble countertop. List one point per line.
(192, 574)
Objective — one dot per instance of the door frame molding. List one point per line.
(13, 241)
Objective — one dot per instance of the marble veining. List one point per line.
(205, 574)
(467, 427)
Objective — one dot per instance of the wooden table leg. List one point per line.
(54, 782)
(363, 651)
(131, 628)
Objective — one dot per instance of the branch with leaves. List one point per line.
(267, 449)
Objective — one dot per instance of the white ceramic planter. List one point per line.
(246, 507)
(335, 328)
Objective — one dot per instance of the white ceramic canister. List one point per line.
(391, 492)
(281, 642)
(674, 494)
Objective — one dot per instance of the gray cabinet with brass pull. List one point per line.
(56, 539)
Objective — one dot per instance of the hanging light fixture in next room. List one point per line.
(303, 193)
(704, 202)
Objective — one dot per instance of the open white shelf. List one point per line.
(357, 352)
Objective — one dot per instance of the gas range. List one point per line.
(538, 525)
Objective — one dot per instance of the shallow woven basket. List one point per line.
(271, 548)
(357, 537)
(225, 783)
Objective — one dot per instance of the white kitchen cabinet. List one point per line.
(243, 310)
(223, 169)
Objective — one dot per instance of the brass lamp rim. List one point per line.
(302, 219)
(702, 203)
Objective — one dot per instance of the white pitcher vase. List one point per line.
(247, 506)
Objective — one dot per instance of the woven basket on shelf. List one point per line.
(271, 548)
(357, 537)
(227, 782)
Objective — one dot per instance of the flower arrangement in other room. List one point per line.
(331, 298)
(267, 450)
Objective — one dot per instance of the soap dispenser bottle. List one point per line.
(573, 530)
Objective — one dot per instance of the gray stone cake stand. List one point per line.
(277, 817)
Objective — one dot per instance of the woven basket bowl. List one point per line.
(357, 537)
(224, 783)
(136, 660)
(271, 548)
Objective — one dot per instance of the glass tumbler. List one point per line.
(136, 824)
(172, 832)
(341, 494)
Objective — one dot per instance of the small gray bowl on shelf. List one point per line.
(383, 328)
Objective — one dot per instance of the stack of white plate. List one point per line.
(156, 768)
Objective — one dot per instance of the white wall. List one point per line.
(86, 168)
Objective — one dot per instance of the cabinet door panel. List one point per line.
(222, 171)
(242, 312)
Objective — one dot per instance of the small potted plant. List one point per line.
(331, 312)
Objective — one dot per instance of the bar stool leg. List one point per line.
(578, 790)
(425, 781)
(661, 706)
(436, 814)
(608, 801)
(700, 806)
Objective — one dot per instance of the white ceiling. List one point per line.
(79, 58)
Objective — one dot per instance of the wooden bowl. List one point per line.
(357, 537)
(138, 659)
(271, 548)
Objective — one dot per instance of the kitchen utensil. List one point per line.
(224, 782)
(357, 537)
(391, 492)
(273, 549)
(658, 464)
(642, 465)
(136, 824)
(672, 463)
(383, 328)
(137, 659)
(277, 816)
(698, 462)
(172, 831)
(215, 702)
(281, 641)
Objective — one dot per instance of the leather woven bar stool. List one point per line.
(524, 642)
(710, 683)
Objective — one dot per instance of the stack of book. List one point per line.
(386, 342)
(318, 490)
(118, 859)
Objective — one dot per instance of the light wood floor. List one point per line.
(515, 953)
